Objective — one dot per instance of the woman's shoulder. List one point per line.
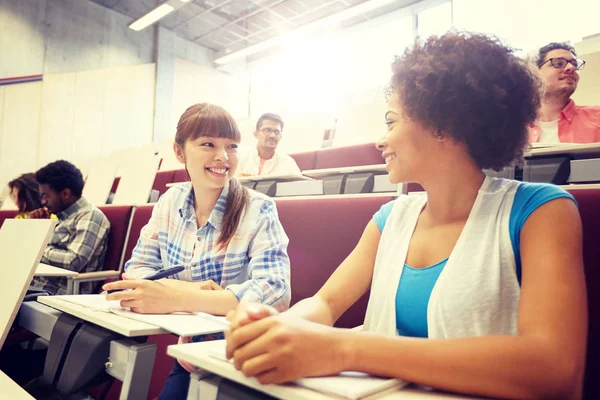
(259, 202)
(176, 193)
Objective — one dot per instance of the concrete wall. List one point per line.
(53, 36)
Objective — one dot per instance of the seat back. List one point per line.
(140, 219)
(305, 160)
(161, 180)
(350, 156)
(7, 214)
(322, 234)
(589, 209)
(180, 175)
(120, 222)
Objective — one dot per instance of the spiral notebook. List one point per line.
(182, 324)
(348, 384)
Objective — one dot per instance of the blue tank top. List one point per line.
(416, 284)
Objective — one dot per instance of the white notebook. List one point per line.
(348, 384)
(182, 324)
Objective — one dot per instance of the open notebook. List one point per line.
(182, 324)
(348, 384)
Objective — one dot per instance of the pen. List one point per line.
(159, 275)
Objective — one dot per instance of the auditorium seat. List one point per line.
(322, 233)
(7, 214)
(115, 185)
(161, 180)
(120, 220)
(589, 209)
(163, 363)
(305, 160)
(350, 156)
(180, 175)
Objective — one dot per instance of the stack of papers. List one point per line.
(182, 324)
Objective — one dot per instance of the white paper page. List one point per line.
(182, 324)
(94, 301)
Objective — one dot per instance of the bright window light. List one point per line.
(435, 20)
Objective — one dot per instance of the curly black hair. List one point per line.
(60, 175)
(472, 88)
(552, 46)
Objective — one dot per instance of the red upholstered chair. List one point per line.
(351, 156)
(7, 214)
(163, 364)
(589, 208)
(180, 176)
(306, 160)
(161, 180)
(322, 234)
(115, 185)
(120, 221)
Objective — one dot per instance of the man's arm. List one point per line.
(90, 232)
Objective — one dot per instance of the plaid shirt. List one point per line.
(78, 244)
(254, 266)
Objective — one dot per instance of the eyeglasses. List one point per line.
(561, 62)
(268, 131)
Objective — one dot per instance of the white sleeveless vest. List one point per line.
(477, 292)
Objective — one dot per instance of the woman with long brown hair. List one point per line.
(25, 193)
(228, 238)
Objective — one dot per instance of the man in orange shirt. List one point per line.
(560, 119)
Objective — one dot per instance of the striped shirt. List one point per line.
(78, 244)
(254, 266)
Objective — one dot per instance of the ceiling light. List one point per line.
(150, 18)
(304, 30)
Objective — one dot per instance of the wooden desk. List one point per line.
(19, 260)
(278, 178)
(198, 354)
(567, 148)
(391, 195)
(48, 270)
(320, 173)
(10, 390)
(130, 361)
(116, 323)
(583, 186)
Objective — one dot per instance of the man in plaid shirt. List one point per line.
(80, 238)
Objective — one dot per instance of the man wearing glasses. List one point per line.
(560, 119)
(266, 160)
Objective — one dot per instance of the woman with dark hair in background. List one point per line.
(477, 287)
(25, 193)
(228, 238)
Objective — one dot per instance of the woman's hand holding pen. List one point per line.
(145, 296)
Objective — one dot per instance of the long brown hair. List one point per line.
(208, 120)
(28, 198)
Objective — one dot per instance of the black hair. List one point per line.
(60, 175)
(269, 117)
(541, 57)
